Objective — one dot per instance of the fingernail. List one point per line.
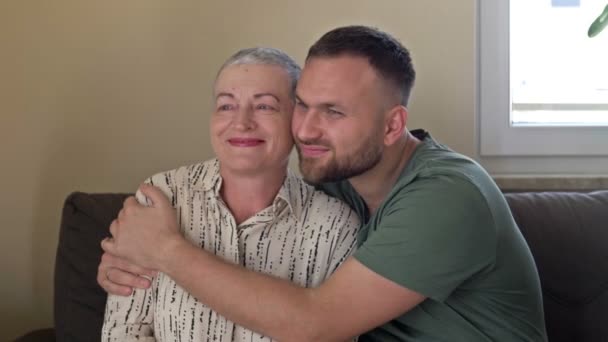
(144, 283)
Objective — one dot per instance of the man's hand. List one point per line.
(118, 276)
(144, 235)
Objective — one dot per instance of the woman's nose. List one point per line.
(244, 119)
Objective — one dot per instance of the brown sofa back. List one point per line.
(568, 236)
(567, 233)
(79, 301)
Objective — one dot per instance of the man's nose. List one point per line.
(307, 125)
(244, 119)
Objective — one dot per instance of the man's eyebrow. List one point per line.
(320, 105)
(257, 96)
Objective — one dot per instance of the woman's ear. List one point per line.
(395, 126)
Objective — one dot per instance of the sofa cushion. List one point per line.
(568, 236)
(79, 300)
(40, 335)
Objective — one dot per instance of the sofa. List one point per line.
(567, 233)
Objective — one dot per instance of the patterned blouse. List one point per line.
(303, 236)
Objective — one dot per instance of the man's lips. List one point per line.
(245, 142)
(312, 151)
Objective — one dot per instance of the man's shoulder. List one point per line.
(438, 170)
(445, 187)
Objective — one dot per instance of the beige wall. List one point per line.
(97, 95)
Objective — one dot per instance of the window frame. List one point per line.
(497, 137)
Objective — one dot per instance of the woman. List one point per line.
(245, 206)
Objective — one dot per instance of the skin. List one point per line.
(250, 136)
(250, 124)
(338, 129)
(344, 111)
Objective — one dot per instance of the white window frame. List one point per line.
(497, 138)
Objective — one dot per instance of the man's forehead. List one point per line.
(347, 68)
(344, 59)
(344, 71)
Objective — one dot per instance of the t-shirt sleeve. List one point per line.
(431, 237)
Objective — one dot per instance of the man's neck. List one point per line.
(374, 185)
(247, 194)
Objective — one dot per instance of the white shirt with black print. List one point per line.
(303, 236)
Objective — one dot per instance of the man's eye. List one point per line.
(334, 112)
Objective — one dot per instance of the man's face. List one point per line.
(250, 126)
(338, 124)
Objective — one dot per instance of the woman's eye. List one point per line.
(264, 107)
(224, 107)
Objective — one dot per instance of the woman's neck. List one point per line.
(247, 194)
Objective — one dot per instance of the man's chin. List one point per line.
(311, 172)
(318, 175)
(315, 171)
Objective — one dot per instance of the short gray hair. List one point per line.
(266, 56)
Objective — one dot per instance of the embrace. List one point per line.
(389, 236)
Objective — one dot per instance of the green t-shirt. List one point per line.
(446, 231)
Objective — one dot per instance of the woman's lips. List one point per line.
(245, 142)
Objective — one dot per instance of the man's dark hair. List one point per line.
(384, 53)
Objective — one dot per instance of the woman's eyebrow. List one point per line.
(257, 96)
(224, 95)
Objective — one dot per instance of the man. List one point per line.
(440, 256)
(243, 207)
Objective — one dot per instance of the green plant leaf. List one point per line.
(599, 24)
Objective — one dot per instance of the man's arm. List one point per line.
(352, 301)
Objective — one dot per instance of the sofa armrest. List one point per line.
(79, 300)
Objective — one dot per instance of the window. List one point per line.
(543, 83)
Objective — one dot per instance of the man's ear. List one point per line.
(395, 124)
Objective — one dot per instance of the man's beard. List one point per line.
(354, 164)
